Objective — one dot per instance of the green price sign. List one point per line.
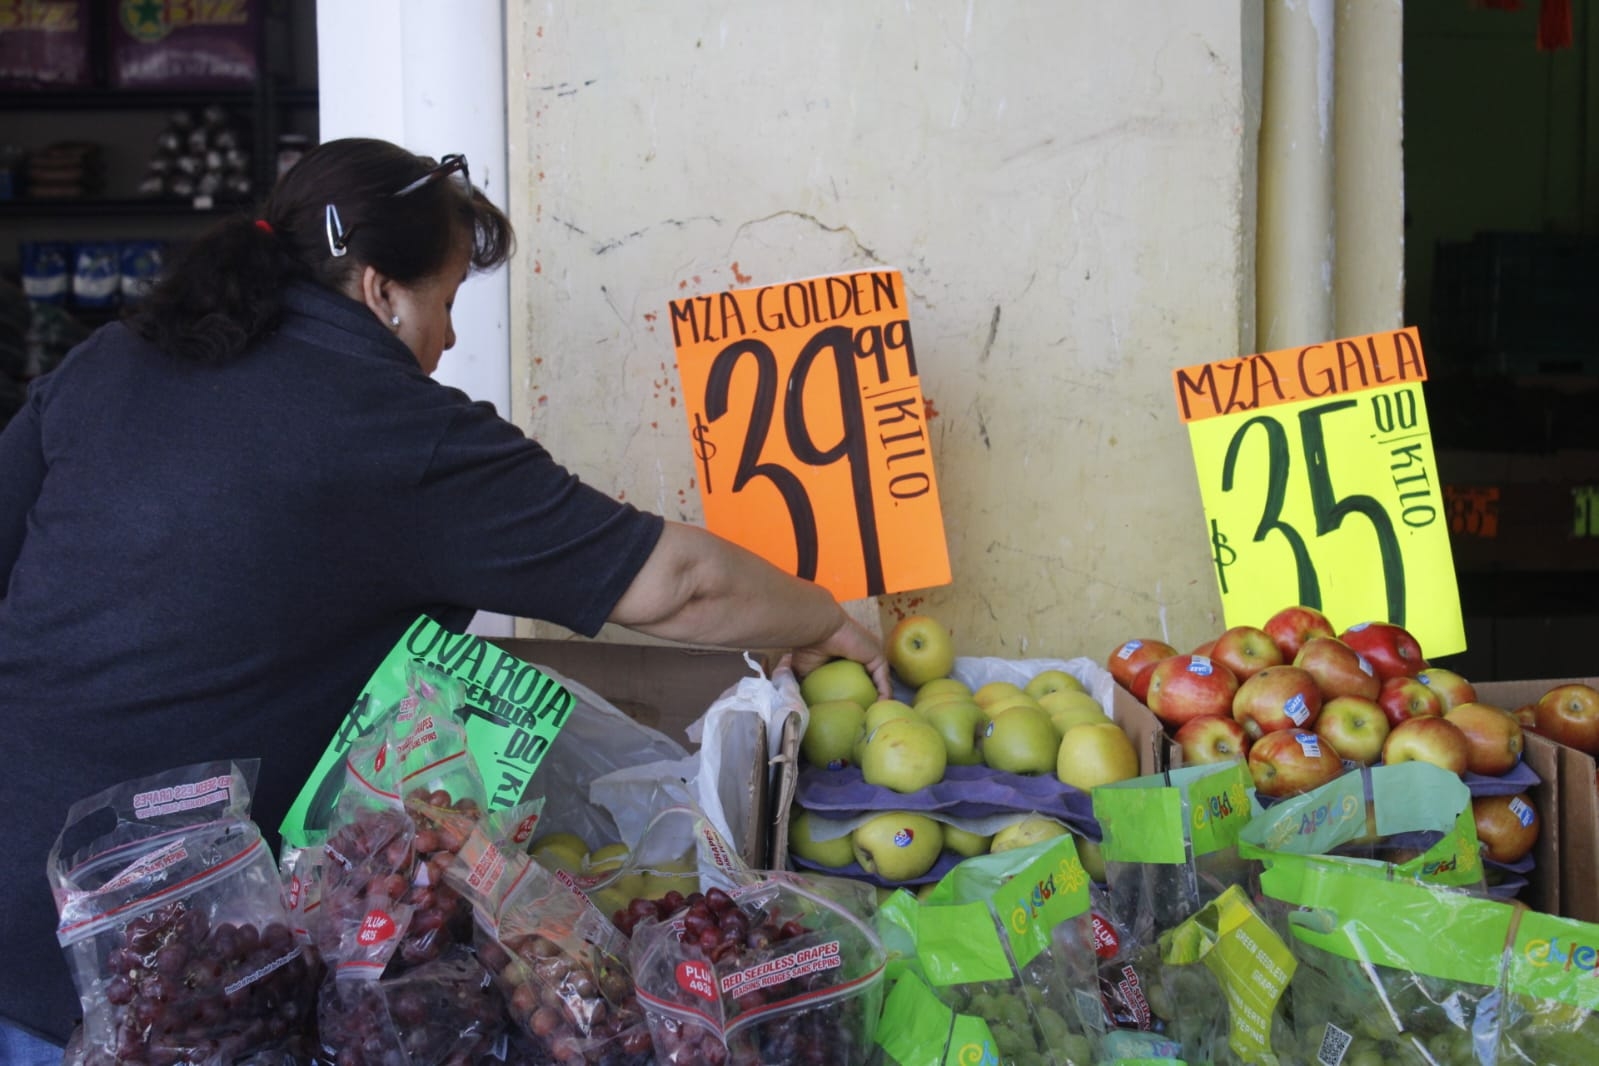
(1317, 476)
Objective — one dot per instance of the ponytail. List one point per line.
(219, 295)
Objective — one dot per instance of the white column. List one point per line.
(431, 76)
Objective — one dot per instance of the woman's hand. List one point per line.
(849, 641)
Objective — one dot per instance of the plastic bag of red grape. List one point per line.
(557, 960)
(174, 926)
(444, 1012)
(411, 795)
(768, 972)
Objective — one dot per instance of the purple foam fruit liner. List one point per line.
(966, 792)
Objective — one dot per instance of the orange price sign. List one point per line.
(809, 430)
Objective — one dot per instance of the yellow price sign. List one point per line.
(1317, 475)
(809, 429)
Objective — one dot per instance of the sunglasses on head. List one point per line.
(339, 237)
(450, 164)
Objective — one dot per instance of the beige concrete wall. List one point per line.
(1068, 189)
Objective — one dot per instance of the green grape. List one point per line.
(1075, 1050)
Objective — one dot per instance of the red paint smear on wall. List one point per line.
(741, 277)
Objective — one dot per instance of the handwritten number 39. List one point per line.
(1329, 510)
(851, 445)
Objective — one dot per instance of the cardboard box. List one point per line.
(667, 688)
(1568, 842)
(1138, 721)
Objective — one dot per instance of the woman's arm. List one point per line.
(699, 588)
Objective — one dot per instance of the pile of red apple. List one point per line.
(1303, 704)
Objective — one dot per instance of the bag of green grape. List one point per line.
(993, 964)
(1409, 821)
(1391, 972)
(1170, 849)
(1551, 1000)
(1226, 953)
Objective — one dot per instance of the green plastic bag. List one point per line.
(993, 965)
(512, 711)
(1411, 821)
(1390, 971)
(1170, 849)
(1551, 1008)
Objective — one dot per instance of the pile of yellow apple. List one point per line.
(1302, 703)
(1050, 725)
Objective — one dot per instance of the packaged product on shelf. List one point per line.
(996, 963)
(47, 271)
(212, 47)
(46, 46)
(1391, 971)
(174, 926)
(96, 274)
(140, 264)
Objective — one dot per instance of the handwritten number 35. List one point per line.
(1329, 510)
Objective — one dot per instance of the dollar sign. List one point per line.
(1221, 555)
(704, 450)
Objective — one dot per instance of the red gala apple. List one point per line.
(1129, 655)
(1205, 649)
(1356, 728)
(1290, 627)
(1493, 737)
(1506, 825)
(1569, 715)
(1452, 689)
(1246, 651)
(1339, 670)
(1527, 715)
(1288, 762)
(1210, 738)
(1390, 649)
(1279, 697)
(1406, 697)
(1140, 684)
(1186, 686)
(1427, 739)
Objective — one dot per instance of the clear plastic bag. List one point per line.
(1390, 971)
(556, 960)
(769, 972)
(174, 924)
(411, 795)
(444, 1012)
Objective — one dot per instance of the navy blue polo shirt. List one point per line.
(202, 562)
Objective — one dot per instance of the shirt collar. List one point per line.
(319, 314)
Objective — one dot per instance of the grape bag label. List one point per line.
(696, 978)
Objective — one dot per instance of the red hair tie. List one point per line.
(263, 225)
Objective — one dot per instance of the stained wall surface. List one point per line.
(1068, 189)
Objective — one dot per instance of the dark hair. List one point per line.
(223, 292)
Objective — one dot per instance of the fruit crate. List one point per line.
(1569, 842)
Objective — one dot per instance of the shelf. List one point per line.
(130, 100)
(103, 208)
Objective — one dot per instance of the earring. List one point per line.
(395, 321)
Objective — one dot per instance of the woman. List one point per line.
(217, 517)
